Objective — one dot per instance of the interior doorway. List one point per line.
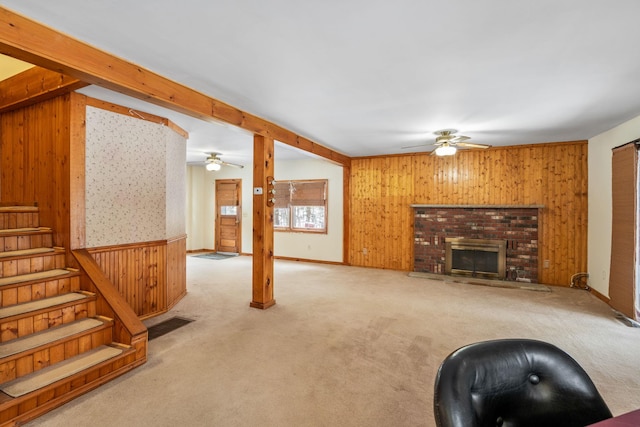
(228, 224)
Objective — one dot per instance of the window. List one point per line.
(301, 206)
(228, 210)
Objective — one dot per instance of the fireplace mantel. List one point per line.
(479, 206)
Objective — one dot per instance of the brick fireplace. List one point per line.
(516, 225)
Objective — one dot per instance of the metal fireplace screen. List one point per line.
(476, 257)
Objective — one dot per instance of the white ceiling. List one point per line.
(368, 77)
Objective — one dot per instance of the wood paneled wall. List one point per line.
(176, 270)
(42, 161)
(553, 175)
(34, 161)
(151, 276)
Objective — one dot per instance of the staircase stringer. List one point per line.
(128, 328)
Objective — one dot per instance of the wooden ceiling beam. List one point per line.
(30, 41)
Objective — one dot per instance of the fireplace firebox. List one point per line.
(476, 257)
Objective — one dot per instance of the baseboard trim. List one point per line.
(316, 261)
(599, 295)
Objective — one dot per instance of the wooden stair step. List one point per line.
(25, 230)
(27, 307)
(26, 252)
(56, 333)
(18, 209)
(40, 275)
(59, 371)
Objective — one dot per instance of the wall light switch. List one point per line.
(257, 191)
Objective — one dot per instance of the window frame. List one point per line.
(290, 205)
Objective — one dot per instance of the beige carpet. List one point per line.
(343, 346)
(482, 282)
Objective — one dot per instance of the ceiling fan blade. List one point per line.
(233, 165)
(415, 146)
(471, 145)
(460, 138)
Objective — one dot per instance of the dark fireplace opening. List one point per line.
(475, 257)
(475, 261)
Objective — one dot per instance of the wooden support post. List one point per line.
(262, 223)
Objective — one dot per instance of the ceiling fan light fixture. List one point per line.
(446, 150)
(213, 167)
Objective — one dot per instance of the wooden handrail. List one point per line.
(119, 305)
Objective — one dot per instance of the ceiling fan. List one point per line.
(447, 143)
(214, 163)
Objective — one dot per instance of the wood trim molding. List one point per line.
(138, 245)
(599, 295)
(35, 85)
(312, 261)
(29, 41)
(176, 238)
(346, 213)
(129, 112)
(77, 172)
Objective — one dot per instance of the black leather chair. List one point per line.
(515, 383)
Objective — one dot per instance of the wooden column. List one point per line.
(77, 170)
(346, 212)
(262, 223)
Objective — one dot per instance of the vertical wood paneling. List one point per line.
(176, 267)
(151, 276)
(553, 175)
(34, 161)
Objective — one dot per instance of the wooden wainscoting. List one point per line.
(176, 270)
(150, 275)
(553, 175)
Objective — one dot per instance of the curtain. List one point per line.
(622, 277)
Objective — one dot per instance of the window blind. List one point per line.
(310, 193)
(283, 194)
(300, 193)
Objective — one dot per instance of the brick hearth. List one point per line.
(518, 225)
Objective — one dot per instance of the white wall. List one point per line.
(175, 182)
(196, 209)
(325, 247)
(201, 210)
(599, 241)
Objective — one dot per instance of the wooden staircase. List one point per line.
(60, 335)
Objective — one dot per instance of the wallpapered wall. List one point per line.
(135, 180)
(176, 183)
